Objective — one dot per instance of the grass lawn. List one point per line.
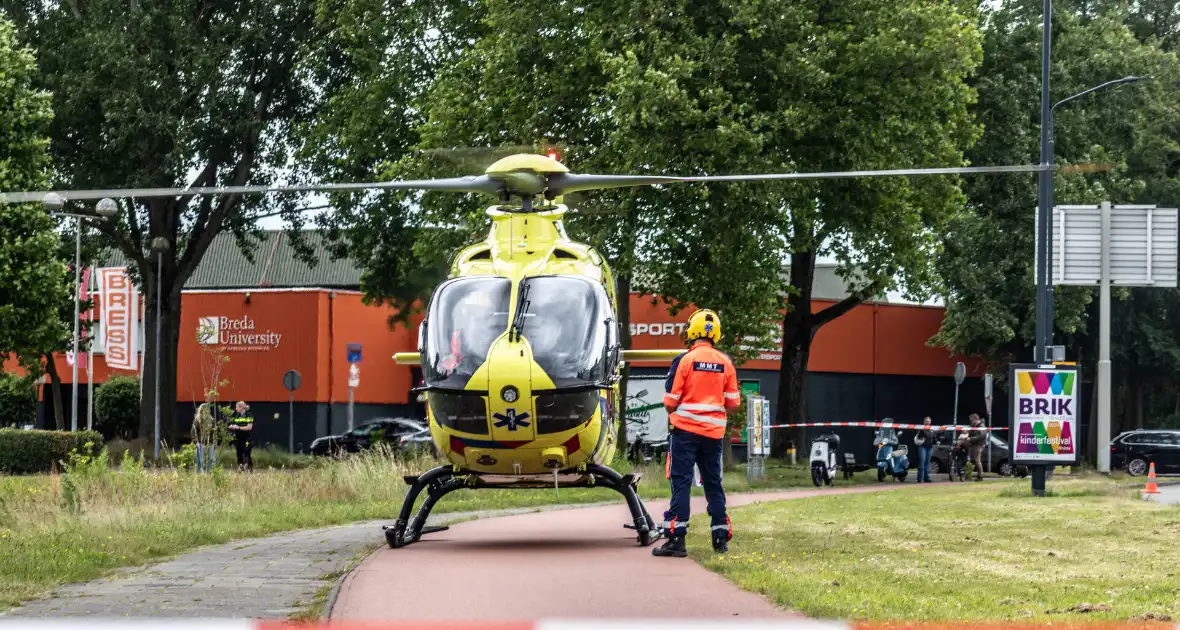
(1091, 550)
(80, 525)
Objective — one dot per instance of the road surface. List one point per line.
(570, 564)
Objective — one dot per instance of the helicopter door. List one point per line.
(567, 327)
(466, 316)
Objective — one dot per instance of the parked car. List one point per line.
(387, 430)
(940, 456)
(1136, 450)
(418, 442)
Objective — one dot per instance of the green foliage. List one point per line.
(27, 451)
(32, 281)
(116, 407)
(149, 94)
(18, 400)
(692, 88)
(987, 263)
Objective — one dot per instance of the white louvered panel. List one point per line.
(1143, 241)
(1077, 252)
(1139, 257)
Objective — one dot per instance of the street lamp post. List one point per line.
(159, 247)
(106, 209)
(1044, 314)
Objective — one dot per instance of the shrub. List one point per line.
(24, 452)
(116, 408)
(18, 405)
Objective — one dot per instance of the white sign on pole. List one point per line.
(1108, 246)
(354, 375)
(1143, 245)
(754, 434)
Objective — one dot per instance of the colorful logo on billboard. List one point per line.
(1059, 383)
(1046, 413)
(1036, 437)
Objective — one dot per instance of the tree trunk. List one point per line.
(623, 295)
(791, 407)
(170, 336)
(1139, 405)
(59, 415)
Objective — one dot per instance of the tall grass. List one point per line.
(96, 516)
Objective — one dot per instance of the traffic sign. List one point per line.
(960, 373)
(354, 353)
(354, 375)
(291, 380)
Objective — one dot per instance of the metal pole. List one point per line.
(159, 307)
(291, 421)
(950, 470)
(1044, 181)
(77, 316)
(90, 388)
(350, 408)
(1104, 346)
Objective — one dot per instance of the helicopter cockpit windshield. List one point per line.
(565, 320)
(466, 316)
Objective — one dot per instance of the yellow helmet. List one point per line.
(703, 324)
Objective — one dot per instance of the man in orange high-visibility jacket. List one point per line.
(701, 389)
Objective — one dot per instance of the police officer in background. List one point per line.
(242, 426)
(701, 389)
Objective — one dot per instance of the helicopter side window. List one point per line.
(466, 316)
(566, 326)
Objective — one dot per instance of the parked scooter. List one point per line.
(825, 450)
(892, 456)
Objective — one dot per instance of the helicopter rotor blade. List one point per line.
(472, 184)
(561, 183)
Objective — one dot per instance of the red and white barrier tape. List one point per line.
(887, 425)
(605, 624)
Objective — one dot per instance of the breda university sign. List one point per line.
(236, 333)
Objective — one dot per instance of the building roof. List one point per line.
(275, 264)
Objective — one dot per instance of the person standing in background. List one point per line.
(924, 440)
(242, 426)
(976, 441)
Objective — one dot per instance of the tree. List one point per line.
(117, 408)
(817, 86)
(176, 94)
(33, 281)
(18, 400)
(570, 104)
(990, 298)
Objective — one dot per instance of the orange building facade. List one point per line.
(873, 361)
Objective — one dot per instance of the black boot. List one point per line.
(674, 548)
(720, 540)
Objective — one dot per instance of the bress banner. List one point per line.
(1044, 419)
(118, 303)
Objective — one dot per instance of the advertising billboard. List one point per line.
(1045, 415)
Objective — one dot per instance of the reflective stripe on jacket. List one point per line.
(702, 388)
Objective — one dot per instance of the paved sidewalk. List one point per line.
(267, 578)
(568, 564)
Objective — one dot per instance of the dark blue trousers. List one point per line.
(685, 450)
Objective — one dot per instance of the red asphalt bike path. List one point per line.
(577, 563)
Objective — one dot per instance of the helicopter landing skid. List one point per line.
(441, 481)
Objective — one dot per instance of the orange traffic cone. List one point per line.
(1150, 488)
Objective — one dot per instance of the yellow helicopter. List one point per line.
(520, 348)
